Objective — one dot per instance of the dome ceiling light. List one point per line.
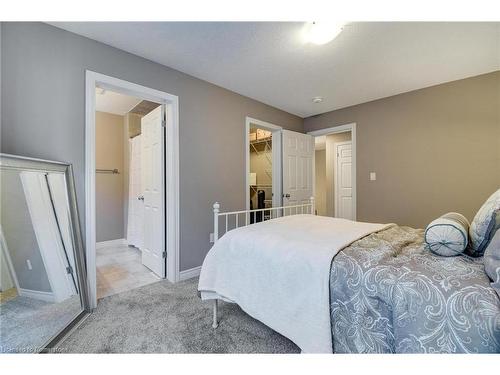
(322, 32)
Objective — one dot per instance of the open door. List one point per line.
(152, 134)
(343, 181)
(298, 153)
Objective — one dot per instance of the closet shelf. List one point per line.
(263, 140)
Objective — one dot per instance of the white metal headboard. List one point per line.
(274, 212)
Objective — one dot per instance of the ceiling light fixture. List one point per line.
(317, 99)
(322, 32)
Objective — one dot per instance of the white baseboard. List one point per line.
(118, 242)
(190, 273)
(36, 294)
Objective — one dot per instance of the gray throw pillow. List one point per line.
(483, 226)
(492, 261)
(447, 235)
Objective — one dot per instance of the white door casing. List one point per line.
(170, 173)
(152, 183)
(343, 180)
(298, 159)
(351, 127)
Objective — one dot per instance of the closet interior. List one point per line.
(261, 169)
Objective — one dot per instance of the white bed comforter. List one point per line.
(278, 272)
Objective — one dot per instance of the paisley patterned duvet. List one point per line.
(390, 295)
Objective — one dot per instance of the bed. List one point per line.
(338, 286)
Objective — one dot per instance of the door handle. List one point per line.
(141, 197)
(286, 195)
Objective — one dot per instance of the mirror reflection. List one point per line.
(39, 290)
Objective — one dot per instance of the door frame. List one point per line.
(342, 129)
(276, 156)
(170, 172)
(336, 174)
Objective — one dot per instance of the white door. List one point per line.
(298, 153)
(135, 225)
(152, 184)
(343, 181)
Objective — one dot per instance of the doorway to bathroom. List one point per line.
(335, 171)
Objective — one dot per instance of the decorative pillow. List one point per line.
(447, 235)
(482, 227)
(492, 261)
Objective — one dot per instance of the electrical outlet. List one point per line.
(28, 262)
(211, 238)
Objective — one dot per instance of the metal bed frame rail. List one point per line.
(274, 212)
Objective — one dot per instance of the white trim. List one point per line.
(342, 129)
(110, 243)
(37, 294)
(93, 79)
(336, 175)
(276, 150)
(190, 273)
(334, 129)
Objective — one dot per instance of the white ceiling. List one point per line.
(112, 102)
(271, 63)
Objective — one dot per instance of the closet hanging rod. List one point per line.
(112, 171)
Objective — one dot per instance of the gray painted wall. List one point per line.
(434, 150)
(20, 235)
(43, 81)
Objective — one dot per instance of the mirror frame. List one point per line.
(15, 162)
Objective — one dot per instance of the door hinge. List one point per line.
(69, 270)
(164, 254)
(164, 120)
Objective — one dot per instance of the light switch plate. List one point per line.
(373, 176)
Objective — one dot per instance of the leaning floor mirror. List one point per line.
(43, 291)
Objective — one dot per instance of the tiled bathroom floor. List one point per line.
(119, 268)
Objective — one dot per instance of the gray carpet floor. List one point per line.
(170, 318)
(26, 324)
